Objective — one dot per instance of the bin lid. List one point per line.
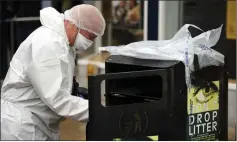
(119, 59)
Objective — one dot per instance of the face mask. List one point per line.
(82, 43)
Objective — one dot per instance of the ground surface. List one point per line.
(72, 130)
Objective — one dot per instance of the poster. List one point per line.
(126, 13)
(203, 112)
(126, 21)
(231, 19)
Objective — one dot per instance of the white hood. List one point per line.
(52, 19)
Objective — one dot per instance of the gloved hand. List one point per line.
(79, 91)
(83, 92)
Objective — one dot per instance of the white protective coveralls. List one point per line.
(36, 93)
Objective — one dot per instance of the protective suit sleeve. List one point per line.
(49, 79)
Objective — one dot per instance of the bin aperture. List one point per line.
(133, 90)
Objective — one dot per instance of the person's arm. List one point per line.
(49, 79)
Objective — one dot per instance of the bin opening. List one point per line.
(133, 90)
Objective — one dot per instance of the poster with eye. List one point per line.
(203, 112)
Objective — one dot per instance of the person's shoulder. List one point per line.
(46, 45)
(47, 38)
(44, 36)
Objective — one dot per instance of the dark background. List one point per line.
(21, 29)
(211, 14)
(206, 14)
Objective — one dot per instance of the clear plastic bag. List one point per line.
(181, 47)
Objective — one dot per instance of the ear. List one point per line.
(69, 31)
(66, 23)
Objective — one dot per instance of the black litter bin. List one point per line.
(149, 100)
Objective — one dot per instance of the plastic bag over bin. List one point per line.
(181, 47)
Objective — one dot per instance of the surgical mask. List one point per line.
(82, 43)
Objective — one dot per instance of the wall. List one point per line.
(232, 110)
